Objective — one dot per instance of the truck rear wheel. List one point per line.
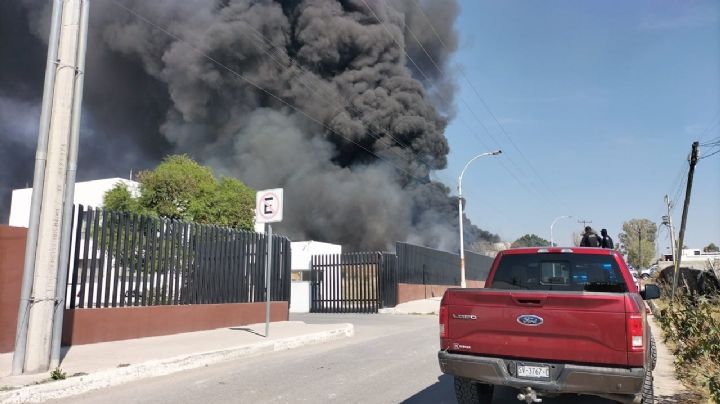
(648, 392)
(469, 392)
(653, 352)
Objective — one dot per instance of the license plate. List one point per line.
(535, 372)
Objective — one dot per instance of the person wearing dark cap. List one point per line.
(607, 241)
(590, 238)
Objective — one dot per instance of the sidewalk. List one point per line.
(668, 388)
(96, 366)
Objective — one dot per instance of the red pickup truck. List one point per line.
(550, 321)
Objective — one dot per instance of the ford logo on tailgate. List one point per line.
(530, 319)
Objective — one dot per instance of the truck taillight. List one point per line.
(634, 330)
(634, 323)
(444, 331)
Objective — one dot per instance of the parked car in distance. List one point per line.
(550, 321)
(648, 272)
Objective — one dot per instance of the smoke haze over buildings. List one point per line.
(296, 94)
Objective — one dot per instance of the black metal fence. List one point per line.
(427, 266)
(122, 259)
(366, 281)
(388, 280)
(352, 283)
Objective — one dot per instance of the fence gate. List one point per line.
(346, 283)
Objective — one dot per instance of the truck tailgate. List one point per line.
(579, 327)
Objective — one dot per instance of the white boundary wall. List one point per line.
(88, 193)
(302, 252)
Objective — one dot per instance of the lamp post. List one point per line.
(460, 215)
(552, 240)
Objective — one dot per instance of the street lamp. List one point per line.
(552, 241)
(460, 216)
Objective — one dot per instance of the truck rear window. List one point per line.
(568, 272)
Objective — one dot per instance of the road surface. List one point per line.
(391, 359)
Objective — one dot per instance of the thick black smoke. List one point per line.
(294, 94)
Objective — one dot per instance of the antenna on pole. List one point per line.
(585, 222)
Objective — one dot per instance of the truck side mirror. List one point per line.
(650, 292)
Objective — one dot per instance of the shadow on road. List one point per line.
(439, 392)
(443, 391)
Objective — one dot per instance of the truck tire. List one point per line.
(648, 392)
(653, 353)
(469, 392)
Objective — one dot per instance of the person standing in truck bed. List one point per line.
(590, 238)
(607, 241)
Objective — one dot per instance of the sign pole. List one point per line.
(268, 270)
(268, 209)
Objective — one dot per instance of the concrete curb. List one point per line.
(113, 377)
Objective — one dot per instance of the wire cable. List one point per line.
(330, 96)
(480, 97)
(426, 77)
(257, 86)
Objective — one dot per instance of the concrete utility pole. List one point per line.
(681, 239)
(667, 220)
(37, 190)
(47, 251)
(460, 215)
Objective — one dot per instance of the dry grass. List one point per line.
(692, 332)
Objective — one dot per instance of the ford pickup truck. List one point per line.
(550, 321)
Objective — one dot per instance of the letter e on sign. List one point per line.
(269, 206)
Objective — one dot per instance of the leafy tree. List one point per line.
(530, 240)
(233, 204)
(711, 248)
(638, 237)
(181, 189)
(120, 198)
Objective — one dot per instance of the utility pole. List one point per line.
(37, 190)
(584, 223)
(38, 325)
(640, 260)
(667, 220)
(686, 205)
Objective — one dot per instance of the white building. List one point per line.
(301, 261)
(87, 193)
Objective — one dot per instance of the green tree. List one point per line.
(638, 237)
(711, 248)
(530, 240)
(181, 189)
(120, 198)
(232, 204)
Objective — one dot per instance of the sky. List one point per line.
(599, 102)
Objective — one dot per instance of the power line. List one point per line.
(349, 106)
(713, 123)
(426, 77)
(712, 142)
(710, 155)
(477, 93)
(257, 86)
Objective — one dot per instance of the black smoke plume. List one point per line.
(316, 96)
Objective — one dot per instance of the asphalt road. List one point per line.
(391, 359)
